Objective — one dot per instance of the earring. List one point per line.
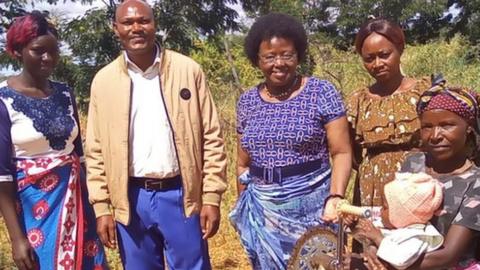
(401, 70)
(17, 54)
(469, 130)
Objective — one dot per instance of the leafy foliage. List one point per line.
(92, 44)
(420, 19)
(181, 22)
(198, 28)
(339, 20)
(90, 38)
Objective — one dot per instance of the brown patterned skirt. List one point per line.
(374, 172)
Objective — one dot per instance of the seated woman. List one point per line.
(449, 126)
(43, 195)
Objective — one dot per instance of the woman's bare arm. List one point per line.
(243, 161)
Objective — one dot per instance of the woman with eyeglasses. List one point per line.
(289, 126)
(383, 121)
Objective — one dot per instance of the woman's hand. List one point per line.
(106, 231)
(330, 210)
(338, 140)
(347, 260)
(371, 260)
(366, 229)
(349, 219)
(23, 254)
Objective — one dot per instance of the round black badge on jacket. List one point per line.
(185, 94)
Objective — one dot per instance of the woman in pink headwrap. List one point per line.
(449, 127)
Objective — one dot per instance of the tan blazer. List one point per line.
(195, 125)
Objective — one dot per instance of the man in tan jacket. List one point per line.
(155, 156)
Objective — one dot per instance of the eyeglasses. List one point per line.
(271, 59)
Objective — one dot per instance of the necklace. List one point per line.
(283, 94)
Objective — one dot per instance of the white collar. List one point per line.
(151, 69)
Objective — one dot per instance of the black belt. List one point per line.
(276, 174)
(155, 183)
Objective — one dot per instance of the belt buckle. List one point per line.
(267, 175)
(277, 175)
(272, 175)
(150, 182)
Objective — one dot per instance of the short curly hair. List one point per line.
(386, 28)
(275, 25)
(26, 28)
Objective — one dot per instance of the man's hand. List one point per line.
(106, 231)
(209, 220)
(23, 254)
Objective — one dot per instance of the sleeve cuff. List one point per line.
(101, 209)
(335, 117)
(406, 253)
(211, 198)
(383, 251)
(6, 178)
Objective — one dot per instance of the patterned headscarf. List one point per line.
(460, 101)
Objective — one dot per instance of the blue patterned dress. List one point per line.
(271, 215)
(41, 150)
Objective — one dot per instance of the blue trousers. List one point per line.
(159, 228)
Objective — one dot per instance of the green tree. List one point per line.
(339, 20)
(422, 20)
(310, 12)
(92, 43)
(466, 23)
(467, 20)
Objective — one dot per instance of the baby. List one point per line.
(404, 233)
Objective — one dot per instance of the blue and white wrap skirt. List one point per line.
(271, 217)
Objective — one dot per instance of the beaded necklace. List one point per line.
(283, 94)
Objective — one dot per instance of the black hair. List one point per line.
(390, 30)
(275, 25)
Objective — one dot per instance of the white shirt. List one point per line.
(402, 247)
(151, 147)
